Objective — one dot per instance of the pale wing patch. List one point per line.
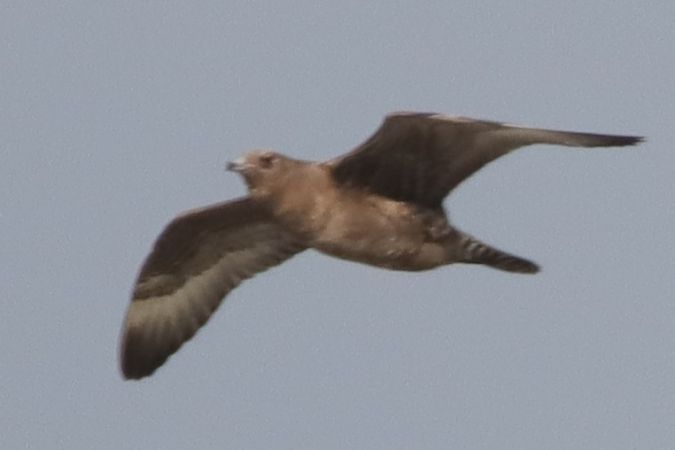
(157, 325)
(454, 119)
(192, 301)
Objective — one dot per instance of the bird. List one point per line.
(380, 204)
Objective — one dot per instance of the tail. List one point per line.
(476, 252)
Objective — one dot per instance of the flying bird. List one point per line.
(381, 204)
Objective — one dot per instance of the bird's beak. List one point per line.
(238, 165)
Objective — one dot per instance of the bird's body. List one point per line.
(380, 204)
(380, 231)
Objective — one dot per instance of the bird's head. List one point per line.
(261, 169)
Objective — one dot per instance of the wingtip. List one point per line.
(133, 369)
(533, 269)
(135, 361)
(622, 141)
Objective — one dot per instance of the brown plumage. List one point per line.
(380, 204)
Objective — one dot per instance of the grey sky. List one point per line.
(116, 116)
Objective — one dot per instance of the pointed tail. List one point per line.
(476, 252)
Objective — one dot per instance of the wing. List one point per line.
(421, 157)
(200, 257)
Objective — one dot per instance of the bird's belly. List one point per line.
(384, 247)
(368, 229)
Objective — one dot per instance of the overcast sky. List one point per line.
(115, 116)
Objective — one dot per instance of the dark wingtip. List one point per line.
(136, 361)
(136, 369)
(530, 268)
(622, 141)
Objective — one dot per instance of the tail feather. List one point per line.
(476, 252)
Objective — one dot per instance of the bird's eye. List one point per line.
(266, 161)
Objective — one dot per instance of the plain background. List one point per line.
(115, 116)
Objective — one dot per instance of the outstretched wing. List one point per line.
(200, 257)
(421, 157)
